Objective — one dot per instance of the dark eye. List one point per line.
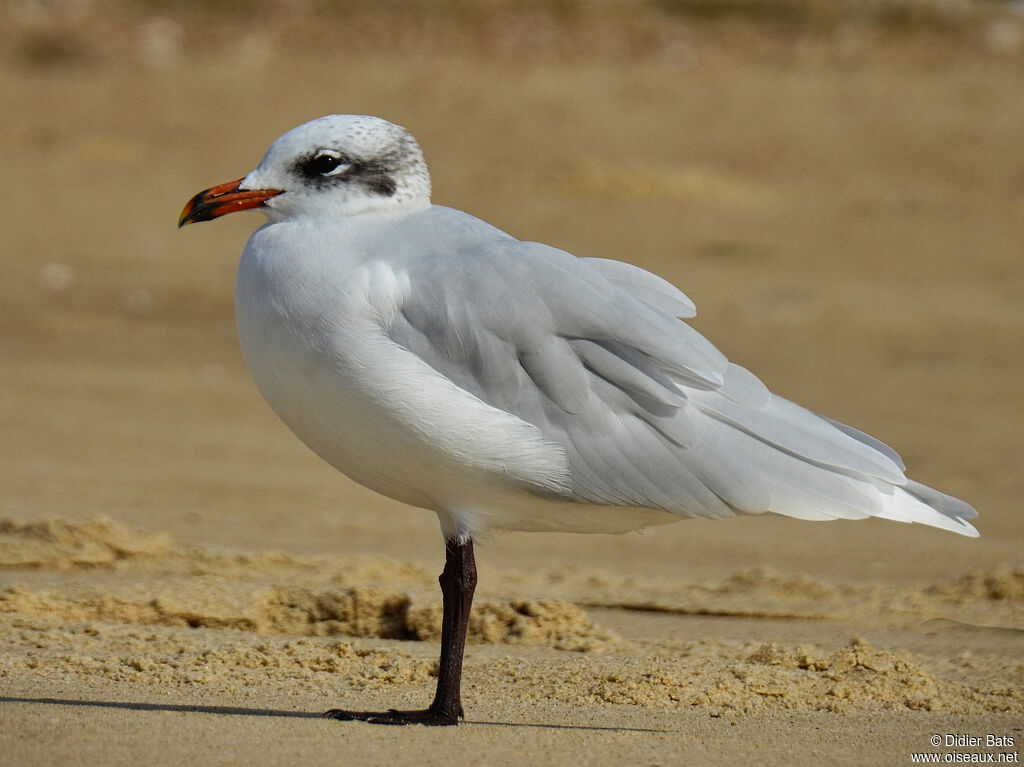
(323, 164)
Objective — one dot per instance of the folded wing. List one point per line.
(648, 412)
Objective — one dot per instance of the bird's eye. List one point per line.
(325, 164)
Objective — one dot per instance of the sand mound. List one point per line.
(60, 544)
(352, 612)
(389, 615)
(746, 679)
(1005, 584)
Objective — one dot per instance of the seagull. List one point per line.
(508, 385)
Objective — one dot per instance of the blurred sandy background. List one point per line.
(839, 186)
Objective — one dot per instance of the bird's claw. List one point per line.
(427, 716)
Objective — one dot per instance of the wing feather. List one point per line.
(660, 294)
(648, 412)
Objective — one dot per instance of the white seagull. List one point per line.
(509, 385)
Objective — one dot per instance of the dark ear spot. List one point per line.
(375, 178)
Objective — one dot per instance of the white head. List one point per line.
(338, 165)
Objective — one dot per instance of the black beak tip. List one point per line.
(195, 210)
(193, 216)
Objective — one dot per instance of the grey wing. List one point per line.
(593, 353)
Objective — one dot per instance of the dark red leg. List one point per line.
(458, 581)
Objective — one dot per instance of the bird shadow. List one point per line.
(280, 714)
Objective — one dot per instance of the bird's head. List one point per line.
(338, 165)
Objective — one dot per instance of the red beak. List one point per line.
(223, 199)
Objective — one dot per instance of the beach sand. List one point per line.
(182, 580)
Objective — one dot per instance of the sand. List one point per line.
(180, 579)
(105, 616)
